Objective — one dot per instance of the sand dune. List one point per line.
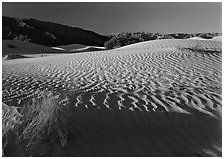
(12, 57)
(197, 38)
(217, 38)
(18, 47)
(174, 43)
(80, 48)
(58, 48)
(145, 99)
(72, 47)
(89, 48)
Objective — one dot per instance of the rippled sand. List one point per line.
(155, 98)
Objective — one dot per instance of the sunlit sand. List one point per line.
(154, 98)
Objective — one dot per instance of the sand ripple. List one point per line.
(148, 77)
(156, 76)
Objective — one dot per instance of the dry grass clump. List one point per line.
(10, 119)
(44, 120)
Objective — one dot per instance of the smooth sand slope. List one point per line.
(21, 48)
(14, 56)
(156, 98)
(89, 48)
(197, 38)
(80, 48)
(72, 47)
(217, 38)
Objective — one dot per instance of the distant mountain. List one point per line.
(47, 33)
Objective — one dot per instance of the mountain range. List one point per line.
(47, 33)
(53, 34)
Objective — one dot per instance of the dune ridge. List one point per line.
(217, 38)
(173, 43)
(138, 100)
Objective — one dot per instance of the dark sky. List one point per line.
(105, 17)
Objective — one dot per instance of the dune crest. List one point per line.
(217, 38)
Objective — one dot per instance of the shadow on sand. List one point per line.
(80, 131)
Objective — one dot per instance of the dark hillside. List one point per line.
(47, 33)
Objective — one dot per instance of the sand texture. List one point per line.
(155, 98)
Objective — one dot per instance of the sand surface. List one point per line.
(20, 48)
(79, 48)
(197, 38)
(89, 48)
(72, 47)
(217, 38)
(145, 99)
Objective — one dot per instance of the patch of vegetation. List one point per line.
(123, 39)
(10, 119)
(208, 35)
(44, 120)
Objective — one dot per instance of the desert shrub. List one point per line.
(44, 120)
(208, 35)
(10, 120)
(113, 43)
(122, 39)
(180, 35)
(11, 46)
